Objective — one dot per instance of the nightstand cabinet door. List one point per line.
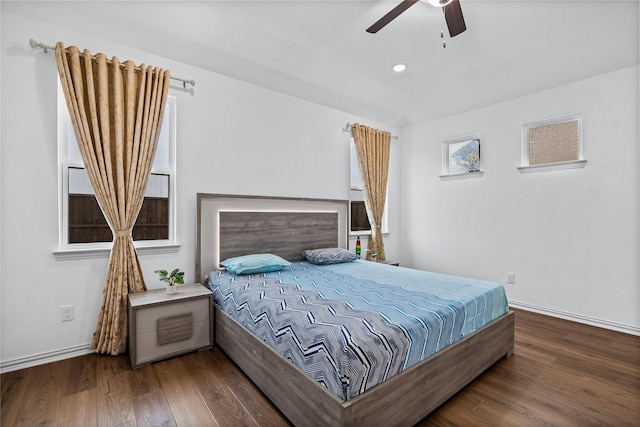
(163, 326)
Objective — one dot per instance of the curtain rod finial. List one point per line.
(34, 44)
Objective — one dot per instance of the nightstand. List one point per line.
(163, 326)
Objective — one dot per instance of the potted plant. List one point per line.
(175, 278)
(374, 255)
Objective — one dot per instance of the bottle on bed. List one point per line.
(358, 247)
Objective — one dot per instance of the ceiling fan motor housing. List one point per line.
(451, 8)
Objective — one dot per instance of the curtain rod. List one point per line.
(34, 44)
(347, 128)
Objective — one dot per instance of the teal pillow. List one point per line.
(254, 263)
(325, 256)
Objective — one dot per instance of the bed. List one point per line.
(360, 393)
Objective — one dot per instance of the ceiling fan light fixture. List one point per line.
(438, 3)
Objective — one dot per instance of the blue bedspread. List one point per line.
(360, 321)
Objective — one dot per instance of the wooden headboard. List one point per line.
(233, 225)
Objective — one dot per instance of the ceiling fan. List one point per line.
(451, 8)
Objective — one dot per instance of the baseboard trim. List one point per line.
(43, 358)
(620, 327)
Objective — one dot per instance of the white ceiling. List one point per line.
(318, 50)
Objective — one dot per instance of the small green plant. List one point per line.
(175, 278)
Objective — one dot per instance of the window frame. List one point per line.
(68, 250)
(569, 164)
(357, 186)
(446, 152)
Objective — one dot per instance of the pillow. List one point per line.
(254, 263)
(329, 255)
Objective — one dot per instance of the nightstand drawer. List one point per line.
(149, 349)
(147, 317)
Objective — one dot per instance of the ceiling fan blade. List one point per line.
(454, 18)
(393, 14)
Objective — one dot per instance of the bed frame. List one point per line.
(230, 225)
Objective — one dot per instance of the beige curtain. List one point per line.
(373, 147)
(116, 109)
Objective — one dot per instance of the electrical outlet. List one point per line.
(511, 278)
(66, 313)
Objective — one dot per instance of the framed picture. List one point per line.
(461, 156)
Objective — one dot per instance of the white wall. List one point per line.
(233, 138)
(570, 237)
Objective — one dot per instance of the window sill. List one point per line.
(476, 174)
(575, 164)
(102, 252)
(366, 233)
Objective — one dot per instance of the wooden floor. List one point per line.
(561, 374)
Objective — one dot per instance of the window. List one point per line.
(553, 144)
(83, 228)
(359, 223)
(461, 157)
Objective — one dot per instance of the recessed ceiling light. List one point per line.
(398, 68)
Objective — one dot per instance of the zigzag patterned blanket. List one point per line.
(361, 321)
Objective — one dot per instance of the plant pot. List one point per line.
(171, 289)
